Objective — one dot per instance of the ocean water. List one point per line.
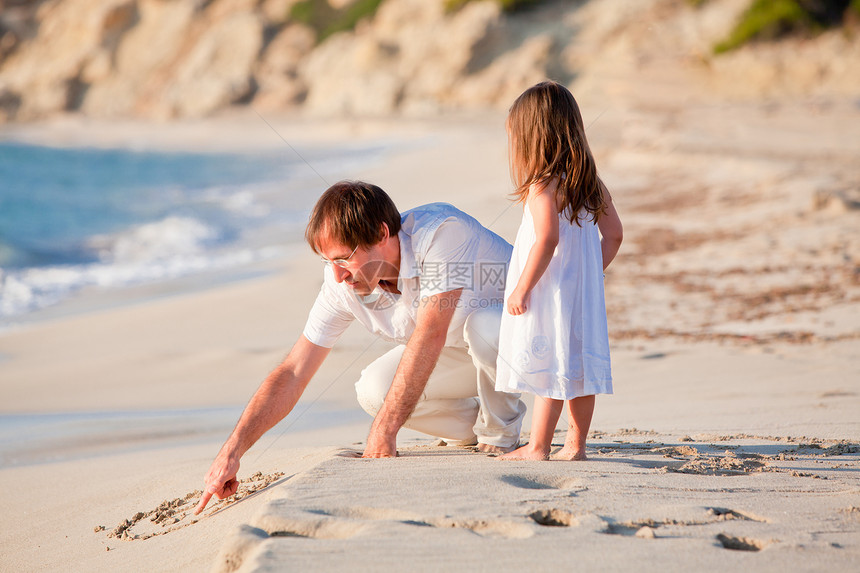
(114, 218)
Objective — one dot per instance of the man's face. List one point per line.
(363, 268)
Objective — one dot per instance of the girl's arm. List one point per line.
(612, 231)
(542, 204)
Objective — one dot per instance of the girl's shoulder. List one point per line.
(547, 189)
(546, 185)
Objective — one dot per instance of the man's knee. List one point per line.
(375, 380)
(371, 389)
(481, 333)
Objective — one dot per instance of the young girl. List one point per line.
(553, 339)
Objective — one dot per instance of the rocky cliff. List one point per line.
(189, 58)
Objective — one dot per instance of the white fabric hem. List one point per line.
(592, 388)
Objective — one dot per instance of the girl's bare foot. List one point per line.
(570, 454)
(527, 452)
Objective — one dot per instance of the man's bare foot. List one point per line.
(489, 449)
(527, 452)
(570, 454)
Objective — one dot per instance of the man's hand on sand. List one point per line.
(380, 446)
(220, 481)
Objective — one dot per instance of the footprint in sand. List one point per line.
(647, 528)
(542, 482)
(742, 543)
(554, 517)
(723, 514)
(503, 528)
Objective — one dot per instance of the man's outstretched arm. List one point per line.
(273, 400)
(419, 359)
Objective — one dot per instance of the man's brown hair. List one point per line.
(352, 213)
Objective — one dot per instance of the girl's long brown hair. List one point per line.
(546, 141)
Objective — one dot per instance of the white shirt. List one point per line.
(441, 249)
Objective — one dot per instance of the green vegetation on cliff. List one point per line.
(766, 20)
(507, 5)
(325, 20)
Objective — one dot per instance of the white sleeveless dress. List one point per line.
(558, 348)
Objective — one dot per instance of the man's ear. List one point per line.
(383, 232)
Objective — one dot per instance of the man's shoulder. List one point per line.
(431, 212)
(442, 226)
(426, 219)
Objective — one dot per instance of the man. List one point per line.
(432, 280)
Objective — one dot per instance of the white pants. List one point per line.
(453, 406)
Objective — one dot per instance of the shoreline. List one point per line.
(97, 300)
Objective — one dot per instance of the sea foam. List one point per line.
(166, 249)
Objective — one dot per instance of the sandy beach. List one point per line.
(732, 441)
